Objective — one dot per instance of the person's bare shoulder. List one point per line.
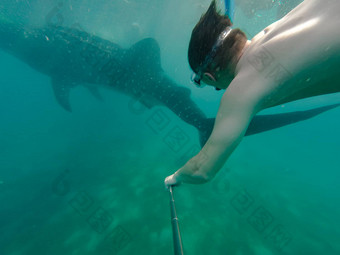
(246, 92)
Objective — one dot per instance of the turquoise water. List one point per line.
(91, 181)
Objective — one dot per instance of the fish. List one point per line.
(72, 57)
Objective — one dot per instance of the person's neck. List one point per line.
(245, 47)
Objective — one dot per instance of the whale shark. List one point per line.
(72, 57)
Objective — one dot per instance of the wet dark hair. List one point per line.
(205, 35)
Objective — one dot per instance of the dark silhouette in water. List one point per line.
(262, 123)
(72, 57)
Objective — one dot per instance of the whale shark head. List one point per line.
(6, 21)
(9, 31)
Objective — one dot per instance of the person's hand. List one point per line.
(185, 175)
(172, 180)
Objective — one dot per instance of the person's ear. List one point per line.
(209, 76)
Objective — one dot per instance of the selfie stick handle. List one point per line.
(178, 247)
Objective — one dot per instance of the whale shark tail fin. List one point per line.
(205, 130)
(263, 123)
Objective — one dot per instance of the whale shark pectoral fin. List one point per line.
(148, 101)
(95, 92)
(62, 93)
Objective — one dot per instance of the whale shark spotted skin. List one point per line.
(72, 57)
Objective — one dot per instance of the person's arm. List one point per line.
(236, 110)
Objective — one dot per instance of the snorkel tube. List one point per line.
(229, 7)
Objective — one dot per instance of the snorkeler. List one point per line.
(294, 58)
(72, 57)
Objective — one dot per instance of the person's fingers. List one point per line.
(170, 181)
